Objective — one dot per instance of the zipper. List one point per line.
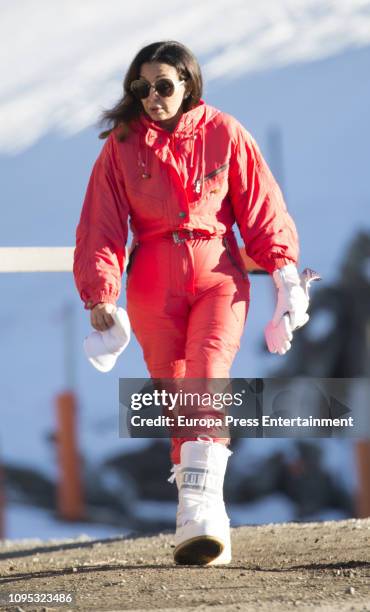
(198, 182)
(214, 172)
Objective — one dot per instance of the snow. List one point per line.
(35, 523)
(272, 508)
(26, 522)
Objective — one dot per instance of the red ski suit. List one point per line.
(187, 294)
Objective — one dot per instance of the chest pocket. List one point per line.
(215, 182)
(146, 189)
(214, 188)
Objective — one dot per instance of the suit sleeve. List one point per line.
(268, 231)
(101, 234)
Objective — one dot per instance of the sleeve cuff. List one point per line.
(101, 298)
(279, 262)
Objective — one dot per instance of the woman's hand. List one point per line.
(101, 318)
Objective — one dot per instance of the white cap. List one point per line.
(103, 348)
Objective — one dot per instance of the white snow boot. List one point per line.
(202, 525)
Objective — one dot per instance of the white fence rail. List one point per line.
(39, 259)
(36, 259)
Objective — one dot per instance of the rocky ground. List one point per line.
(310, 566)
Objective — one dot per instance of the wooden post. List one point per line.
(363, 466)
(70, 502)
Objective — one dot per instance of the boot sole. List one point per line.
(201, 550)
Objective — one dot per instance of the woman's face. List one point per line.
(164, 109)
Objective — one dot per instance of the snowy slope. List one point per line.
(68, 58)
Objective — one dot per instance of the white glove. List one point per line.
(290, 312)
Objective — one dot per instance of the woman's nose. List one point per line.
(153, 95)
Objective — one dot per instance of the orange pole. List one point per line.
(70, 501)
(363, 465)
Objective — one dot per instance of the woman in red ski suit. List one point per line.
(182, 189)
(181, 173)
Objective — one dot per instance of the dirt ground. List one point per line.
(310, 566)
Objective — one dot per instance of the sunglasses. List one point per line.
(164, 87)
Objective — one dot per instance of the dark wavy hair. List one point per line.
(128, 108)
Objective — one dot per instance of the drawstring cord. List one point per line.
(198, 184)
(143, 164)
(203, 162)
(143, 160)
(193, 145)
